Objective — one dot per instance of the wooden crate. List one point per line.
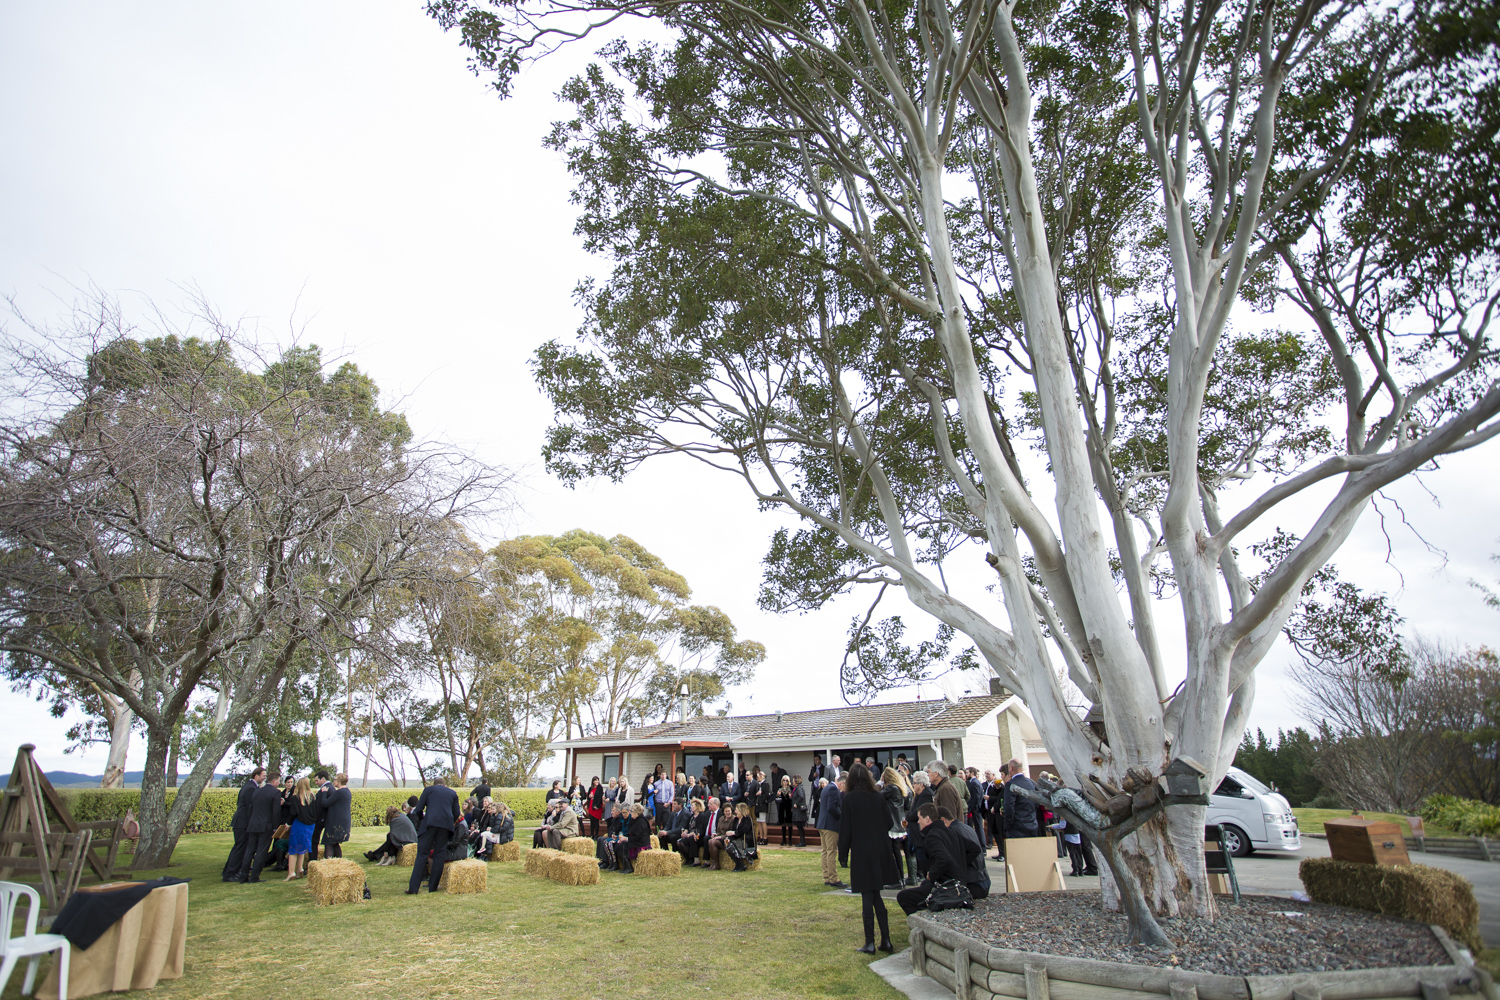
(1370, 842)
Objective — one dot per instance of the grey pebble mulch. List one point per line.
(1253, 938)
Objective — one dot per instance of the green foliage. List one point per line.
(215, 809)
(1465, 816)
(1288, 765)
(1412, 892)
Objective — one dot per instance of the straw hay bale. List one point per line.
(583, 846)
(335, 880)
(506, 852)
(658, 864)
(655, 844)
(408, 856)
(463, 877)
(1416, 892)
(572, 869)
(538, 859)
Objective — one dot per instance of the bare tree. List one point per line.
(169, 516)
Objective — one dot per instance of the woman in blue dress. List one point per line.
(304, 817)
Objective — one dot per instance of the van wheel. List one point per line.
(1235, 841)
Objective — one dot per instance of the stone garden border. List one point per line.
(974, 970)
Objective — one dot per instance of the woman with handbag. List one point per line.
(784, 809)
(594, 806)
(865, 849)
(740, 841)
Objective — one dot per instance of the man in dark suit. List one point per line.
(238, 824)
(713, 824)
(436, 816)
(265, 817)
(676, 821)
(976, 803)
(731, 792)
(482, 791)
(1020, 813)
(321, 786)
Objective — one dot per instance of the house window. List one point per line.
(611, 767)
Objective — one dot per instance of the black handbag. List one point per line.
(950, 895)
(737, 851)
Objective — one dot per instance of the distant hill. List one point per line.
(72, 779)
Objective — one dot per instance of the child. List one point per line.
(1074, 842)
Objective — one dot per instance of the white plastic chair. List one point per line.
(33, 944)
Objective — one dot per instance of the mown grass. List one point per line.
(1312, 820)
(773, 933)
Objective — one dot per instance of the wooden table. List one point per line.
(142, 947)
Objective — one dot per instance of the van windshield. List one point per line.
(1251, 782)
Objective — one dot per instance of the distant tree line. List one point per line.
(1425, 721)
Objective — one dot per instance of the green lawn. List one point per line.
(1311, 821)
(772, 933)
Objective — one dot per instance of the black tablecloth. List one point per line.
(87, 915)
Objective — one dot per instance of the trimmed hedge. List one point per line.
(215, 810)
(1469, 817)
(1415, 892)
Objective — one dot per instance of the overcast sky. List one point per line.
(331, 170)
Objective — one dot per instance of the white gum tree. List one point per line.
(858, 248)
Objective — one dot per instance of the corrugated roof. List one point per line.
(858, 720)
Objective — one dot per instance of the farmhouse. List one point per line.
(983, 732)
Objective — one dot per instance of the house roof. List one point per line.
(858, 720)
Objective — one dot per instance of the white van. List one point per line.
(1253, 816)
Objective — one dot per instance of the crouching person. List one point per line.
(949, 856)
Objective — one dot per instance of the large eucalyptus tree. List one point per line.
(859, 250)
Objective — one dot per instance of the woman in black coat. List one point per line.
(637, 835)
(864, 834)
(337, 820)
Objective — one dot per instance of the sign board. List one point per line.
(1031, 865)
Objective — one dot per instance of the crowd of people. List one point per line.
(279, 821)
(894, 827)
(938, 821)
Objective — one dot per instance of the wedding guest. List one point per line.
(304, 817)
(334, 803)
(690, 840)
(594, 806)
(399, 833)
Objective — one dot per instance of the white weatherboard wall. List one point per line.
(981, 747)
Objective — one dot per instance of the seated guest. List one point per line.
(458, 844)
(564, 824)
(553, 808)
(471, 811)
(399, 834)
(717, 822)
(637, 836)
(495, 825)
(503, 826)
(743, 833)
(676, 822)
(614, 832)
(691, 837)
